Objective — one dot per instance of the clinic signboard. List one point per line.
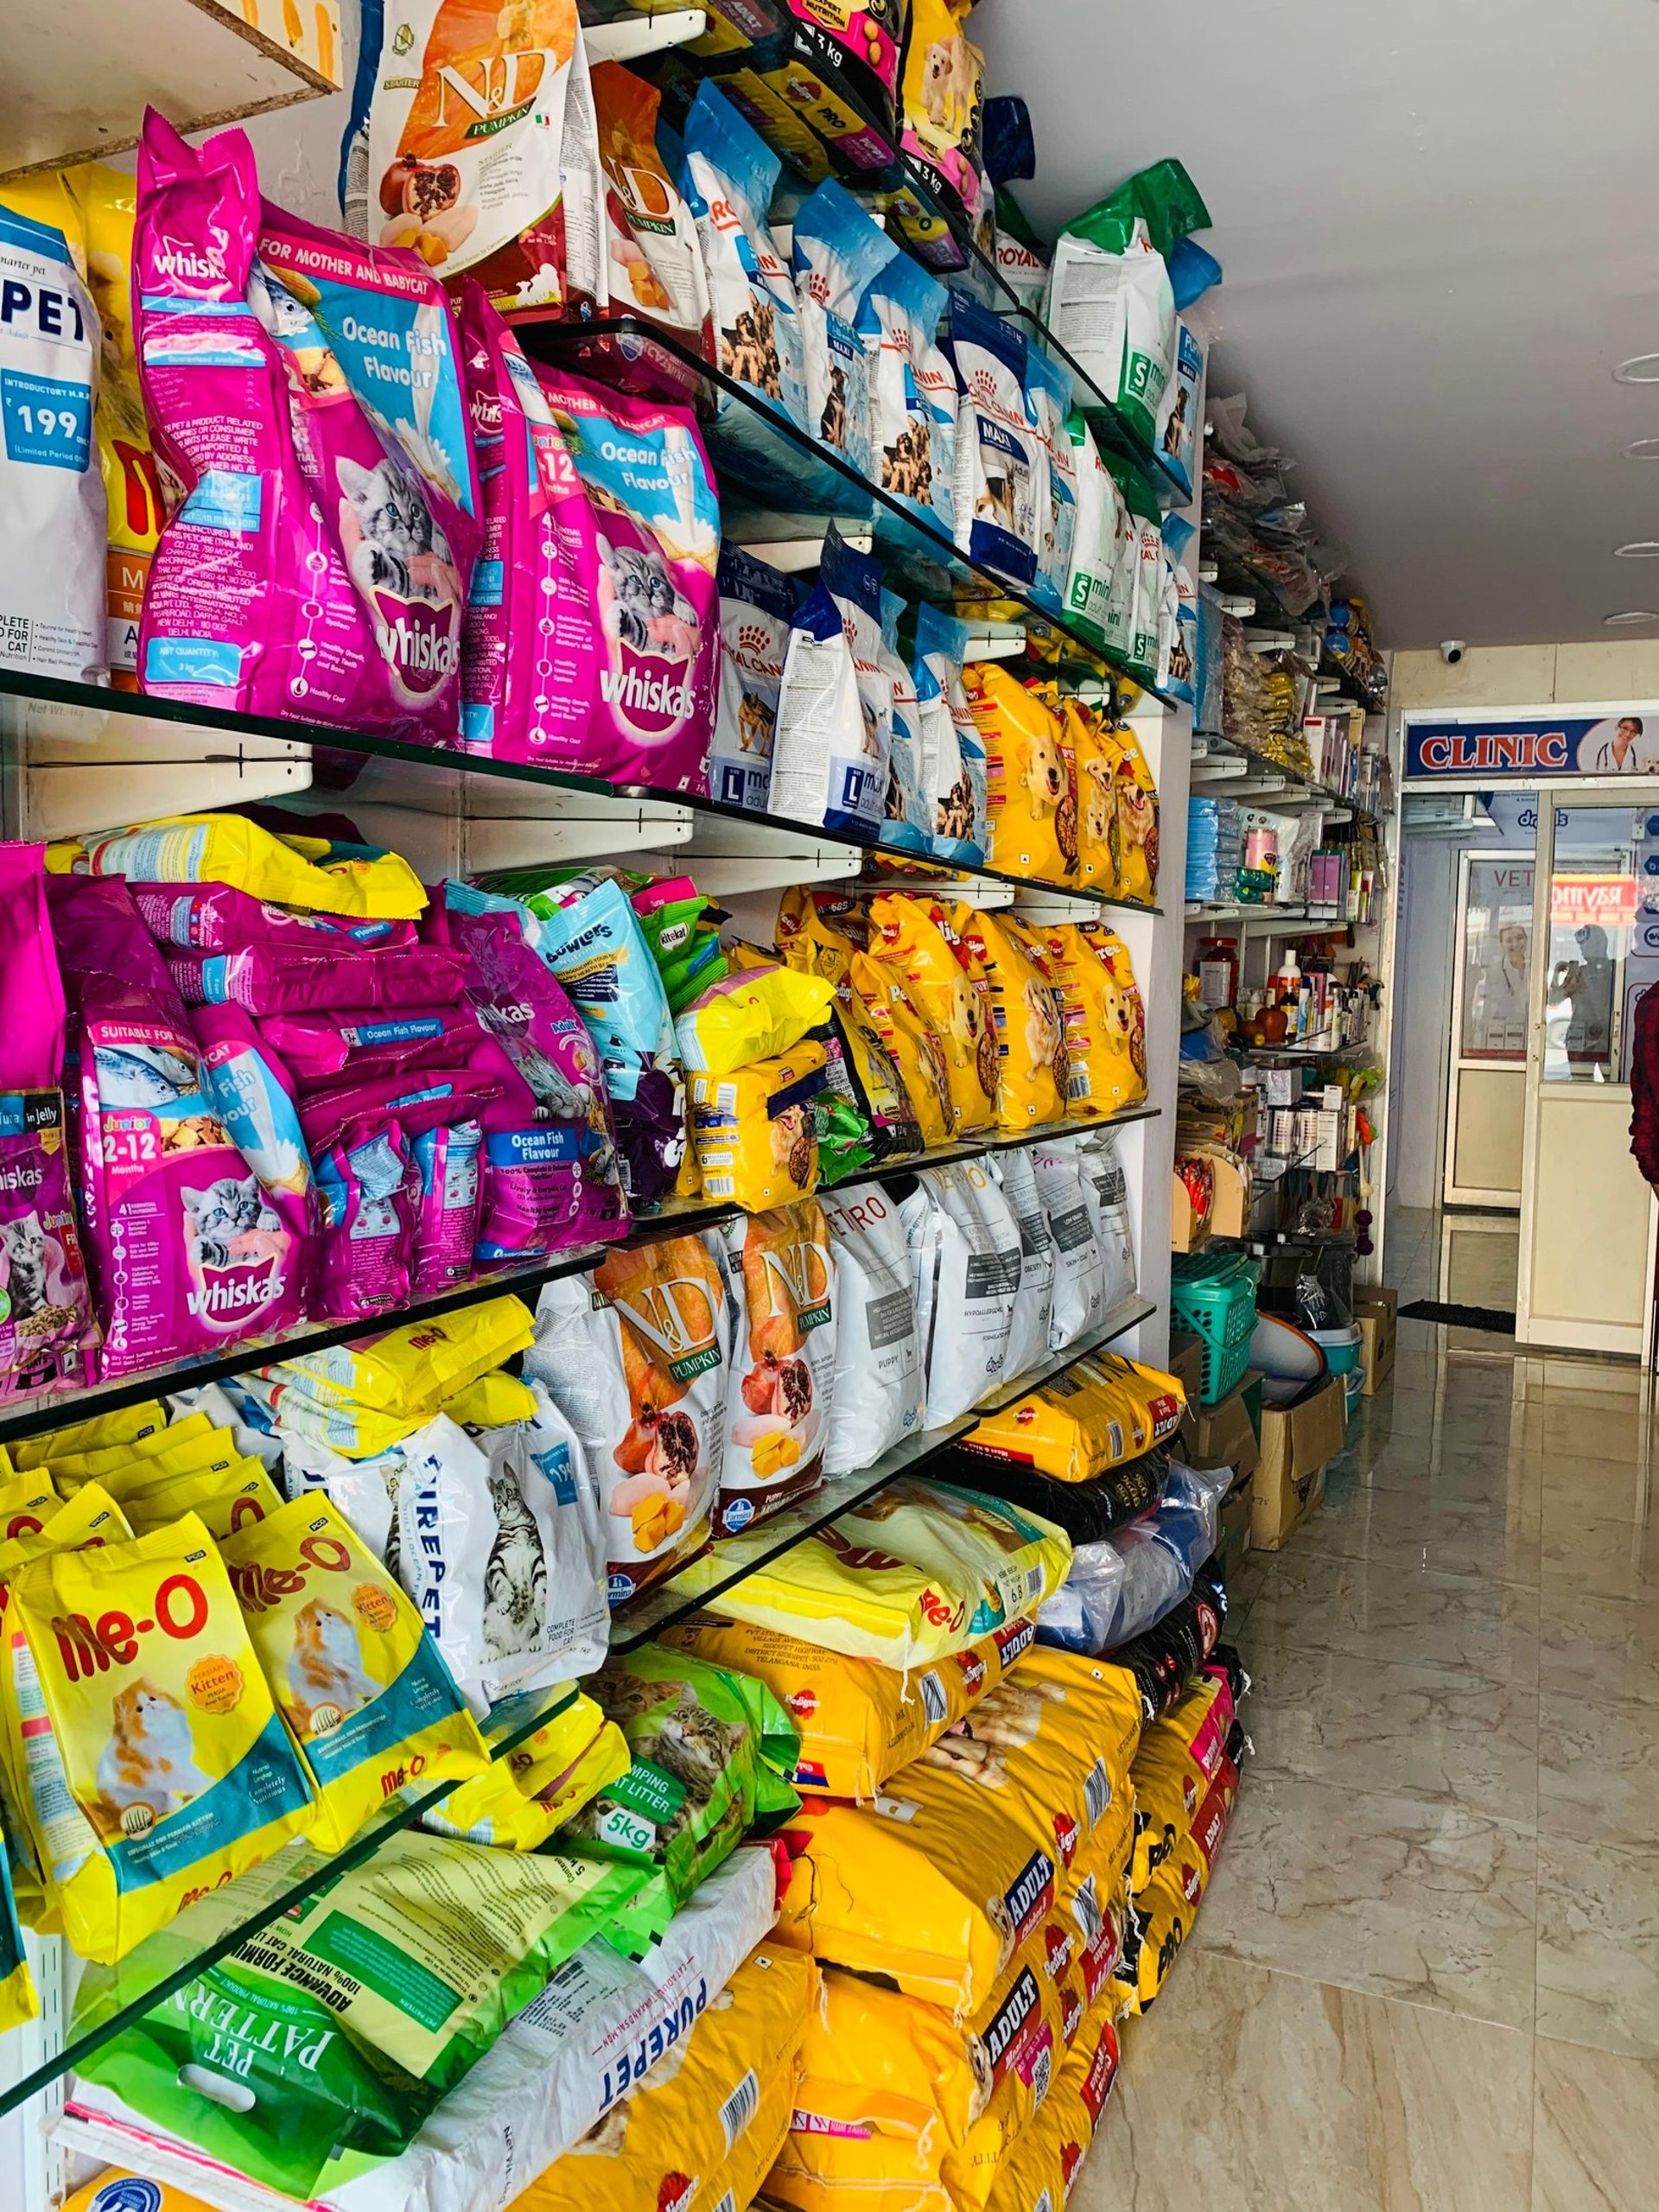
(1622, 744)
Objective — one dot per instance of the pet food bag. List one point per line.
(879, 1387)
(318, 566)
(294, 868)
(859, 1064)
(1137, 820)
(1101, 1411)
(1080, 1300)
(709, 2129)
(860, 1721)
(761, 1011)
(1178, 411)
(728, 178)
(1105, 1020)
(999, 468)
(483, 153)
(1048, 405)
(944, 102)
(649, 542)
(1110, 303)
(784, 1305)
(121, 1424)
(710, 1751)
(1045, 2160)
(913, 403)
(191, 1254)
(154, 1762)
(908, 823)
(368, 1701)
(915, 1573)
(341, 2024)
(1090, 578)
(227, 1499)
(532, 1790)
(361, 1398)
(838, 250)
(755, 1130)
(653, 260)
(952, 762)
(966, 1268)
(1032, 1069)
(757, 605)
(1105, 1189)
(909, 935)
(835, 711)
(1142, 555)
(1032, 791)
(635, 1359)
(1028, 1332)
(52, 609)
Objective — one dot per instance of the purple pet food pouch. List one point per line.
(253, 1094)
(192, 1255)
(305, 390)
(368, 1227)
(528, 581)
(555, 1180)
(448, 1172)
(98, 931)
(419, 1103)
(649, 542)
(320, 1049)
(217, 917)
(284, 978)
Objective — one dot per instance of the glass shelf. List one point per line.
(785, 469)
(43, 708)
(112, 1997)
(35, 1416)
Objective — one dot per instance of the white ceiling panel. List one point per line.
(1440, 225)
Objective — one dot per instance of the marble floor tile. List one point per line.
(1374, 1611)
(1604, 1649)
(1601, 1490)
(1421, 1468)
(1589, 1555)
(1595, 2141)
(1492, 1538)
(1597, 1772)
(1381, 1892)
(1434, 1733)
(1599, 1946)
(1246, 2090)
(1590, 1428)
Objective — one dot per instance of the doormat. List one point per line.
(1460, 1317)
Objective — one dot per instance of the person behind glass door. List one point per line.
(1499, 1014)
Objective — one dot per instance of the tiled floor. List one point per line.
(1426, 1976)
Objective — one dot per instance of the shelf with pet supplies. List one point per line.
(111, 1998)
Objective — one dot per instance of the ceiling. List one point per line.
(1440, 225)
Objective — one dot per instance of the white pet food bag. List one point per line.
(966, 1269)
(441, 1543)
(913, 403)
(834, 745)
(837, 250)
(909, 818)
(996, 471)
(1048, 403)
(757, 604)
(52, 605)
(1080, 1264)
(1094, 534)
(1114, 314)
(1106, 1189)
(1028, 1338)
(1178, 413)
(365, 1491)
(880, 1390)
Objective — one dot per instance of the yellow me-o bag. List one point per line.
(1033, 1072)
(291, 871)
(1104, 1409)
(123, 1426)
(177, 1445)
(574, 1755)
(360, 1683)
(157, 1766)
(227, 1499)
(27, 1501)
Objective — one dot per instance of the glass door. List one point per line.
(1485, 1114)
(1586, 1217)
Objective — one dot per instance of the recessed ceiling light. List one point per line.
(1639, 548)
(1640, 368)
(1643, 450)
(1630, 618)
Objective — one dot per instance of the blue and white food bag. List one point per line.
(953, 760)
(1048, 405)
(1178, 665)
(913, 403)
(757, 605)
(909, 814)
(837, 250)
(52, 603)
(1178, 411)
(728, 179)
(997, 473)
(834, 710)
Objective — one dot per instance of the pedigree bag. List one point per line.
(1101, 1411)
(157, 1766)
(369, 1702)
(1031, 781)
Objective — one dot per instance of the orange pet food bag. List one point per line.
(948, 988)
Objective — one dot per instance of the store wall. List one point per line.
(1526, 675)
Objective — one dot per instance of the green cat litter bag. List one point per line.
(711, 1748)
(337, 2029)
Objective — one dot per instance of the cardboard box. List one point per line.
(1229, 1212)
(1222, 1435)
(1187, 1363)
(1377, 1313)
(1233, 1527)
(1296, 1442)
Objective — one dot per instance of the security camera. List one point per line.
(1452, 651)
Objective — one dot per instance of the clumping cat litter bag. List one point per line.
(306, 392)
(51, 573)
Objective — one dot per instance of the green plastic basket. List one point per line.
(1213, 1296)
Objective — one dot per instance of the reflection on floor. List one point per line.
(1465, 1259)
(1426, 1978)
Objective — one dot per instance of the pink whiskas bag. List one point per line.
(290, 978)
(47, 1328)
(648, 547)
(217, 917)
(366, 1186)
(305, 390)
(191, 1253)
